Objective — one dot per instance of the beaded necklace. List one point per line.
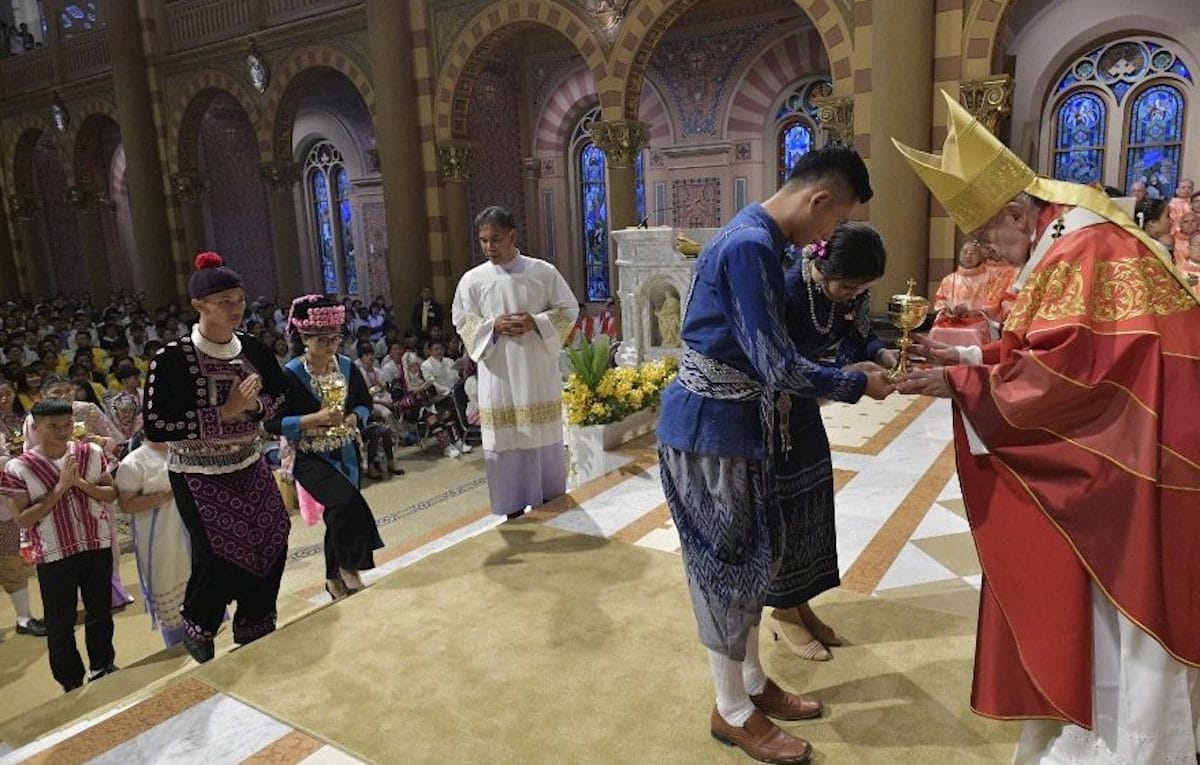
(812, 302)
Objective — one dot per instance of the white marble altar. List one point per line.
(650, 272)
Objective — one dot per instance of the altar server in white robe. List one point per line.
(514, 314)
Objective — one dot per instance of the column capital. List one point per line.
(189, 187)
(82, 198)
(621, 140)
(836, 115)
(279, 176)
(987, 99)
(24, 206)
(456, 160)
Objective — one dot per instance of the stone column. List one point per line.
(531, 172)
(455, 160)
(189, 189)
(398, 138)
(280, 178)
(900, 87)
(91, 239)
(621, 142)
(26, 212)
(836, 115)
(135, 115)
(988, 99)
(10, 286)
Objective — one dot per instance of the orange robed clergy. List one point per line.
(1086, 409)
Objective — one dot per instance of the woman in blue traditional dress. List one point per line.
(326, 440)
(828, 319)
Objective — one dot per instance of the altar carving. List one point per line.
(653, 278)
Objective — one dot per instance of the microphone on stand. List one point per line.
(645, 222)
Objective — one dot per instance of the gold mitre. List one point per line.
(976, 174)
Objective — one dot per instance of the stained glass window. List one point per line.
(795, 140)
(349, 266)
(324, 219)
(640, 174)
(1155, 138)
(333, 218)
(593, 207)
(1080, 125)
(78, 17)
(593, 204)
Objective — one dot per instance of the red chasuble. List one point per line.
(1090, 408)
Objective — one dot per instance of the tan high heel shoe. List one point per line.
(820, 630)
(799, 640)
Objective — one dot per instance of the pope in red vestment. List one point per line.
(1077, 437)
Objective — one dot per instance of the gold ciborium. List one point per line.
(907, 312)
(79, 431)
(333, 396)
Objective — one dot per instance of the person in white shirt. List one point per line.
(439, 370)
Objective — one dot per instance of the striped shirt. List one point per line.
(77, 523)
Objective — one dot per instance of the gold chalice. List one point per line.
(907, 312)
(333, 396)
(79, 430)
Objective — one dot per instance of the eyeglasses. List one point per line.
(327, 341)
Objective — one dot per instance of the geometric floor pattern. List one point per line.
(902, 536)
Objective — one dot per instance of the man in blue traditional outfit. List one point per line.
(716, 436)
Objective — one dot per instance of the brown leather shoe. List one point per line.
(778, 703)
(761, 739)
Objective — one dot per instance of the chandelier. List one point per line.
(608, 12)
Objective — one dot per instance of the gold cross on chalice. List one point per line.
(907, 312)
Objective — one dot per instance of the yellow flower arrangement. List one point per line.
(596, 394)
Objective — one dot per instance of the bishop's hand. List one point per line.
(926, 382)
(934, 351)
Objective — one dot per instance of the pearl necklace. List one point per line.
(812, 303)
(222, 351)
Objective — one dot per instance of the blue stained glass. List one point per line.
(324, 219)
(796, 142)
(349, 266)
(1067, 81)
(1079, 139)
(1120, 89)
(1181, 69)
(1155, 135)
(640, 174)
(594, 210)
(1157, 116)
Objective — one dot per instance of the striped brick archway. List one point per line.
(456, 81)
(981, 31)
(641, 32)
(23, 135)
(555, 124)
(188, 108)
(84, 138)
(279, 114)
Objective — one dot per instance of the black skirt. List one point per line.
(352, 535)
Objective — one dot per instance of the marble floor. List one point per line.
(902, 535)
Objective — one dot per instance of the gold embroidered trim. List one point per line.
(1124, 289)
(1050, 294)
(1135, 287)
(470, 327)
(562, 323)
(521, 416)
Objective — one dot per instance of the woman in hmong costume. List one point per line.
(159, 537)
(828, 318)
(327, 461)
(206, 396)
